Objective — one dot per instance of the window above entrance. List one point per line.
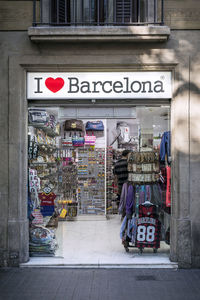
(99, 20)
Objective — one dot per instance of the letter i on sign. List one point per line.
(38, 91)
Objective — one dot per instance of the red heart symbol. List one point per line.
(54, 85)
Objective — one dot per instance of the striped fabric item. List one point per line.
(67, 141)
(38, 218)
(90, 140)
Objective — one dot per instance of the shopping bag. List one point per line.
(90, 140)
(94, 126)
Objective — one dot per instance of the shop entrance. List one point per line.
(99, 183)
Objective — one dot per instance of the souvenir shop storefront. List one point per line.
(99, 156)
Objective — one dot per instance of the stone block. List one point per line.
(184, 242)
(173, 240)
(182, 14)
(195, 261)
(4, 207)
(3, 233)
(99, 34)
(3, 128)
(16, 15)
(13, 235)
(18, 184)
(24, 241)
(3, 258)
(18, 241)
(195, 237)
(4, 168)
(17, 125)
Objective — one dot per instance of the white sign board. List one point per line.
(99, 85)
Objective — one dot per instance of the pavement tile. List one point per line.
(99, 284)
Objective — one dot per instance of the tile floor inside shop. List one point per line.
(93, 241)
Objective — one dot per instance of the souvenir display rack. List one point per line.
(91, 181)
(143, 167)
(43, 174)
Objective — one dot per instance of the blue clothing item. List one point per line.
(165, 145)
(131, 229)
(47, 210)
(137, 198)
(123, 227)
(142, 195)
(156, 195)
(148, 193)
(130, 201)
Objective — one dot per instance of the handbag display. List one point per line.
(73, 125)
(94, 126)
(90, 140)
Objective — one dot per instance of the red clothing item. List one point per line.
(148, 233)
(47, 199)
(149, 210)
(168, 189)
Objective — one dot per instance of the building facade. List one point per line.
(100, 36)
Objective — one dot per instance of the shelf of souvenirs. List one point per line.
(42, 163)
(50, 175)
(52, 132)
(47, 148)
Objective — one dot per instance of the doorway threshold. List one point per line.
(160, 261)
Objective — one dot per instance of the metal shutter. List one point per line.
(126, 11)
(60, 11)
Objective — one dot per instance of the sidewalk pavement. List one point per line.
(101, 284)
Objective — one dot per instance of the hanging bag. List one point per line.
(73, 125)
(37, 117)
(124, 133)
(67, 141)
(94, 126)
(90, 140)
(78, 141)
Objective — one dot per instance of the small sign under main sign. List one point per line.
(99, 85)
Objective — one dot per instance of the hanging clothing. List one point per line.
(142, 194)
(122, 204)
(132, 229)
(148, 233)
(165, 146)
(123, 227)
(130, 201)
(168, 190)
(128, 229)
(149, 210)
(148, 193)
(156, 195)
(148, 227)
